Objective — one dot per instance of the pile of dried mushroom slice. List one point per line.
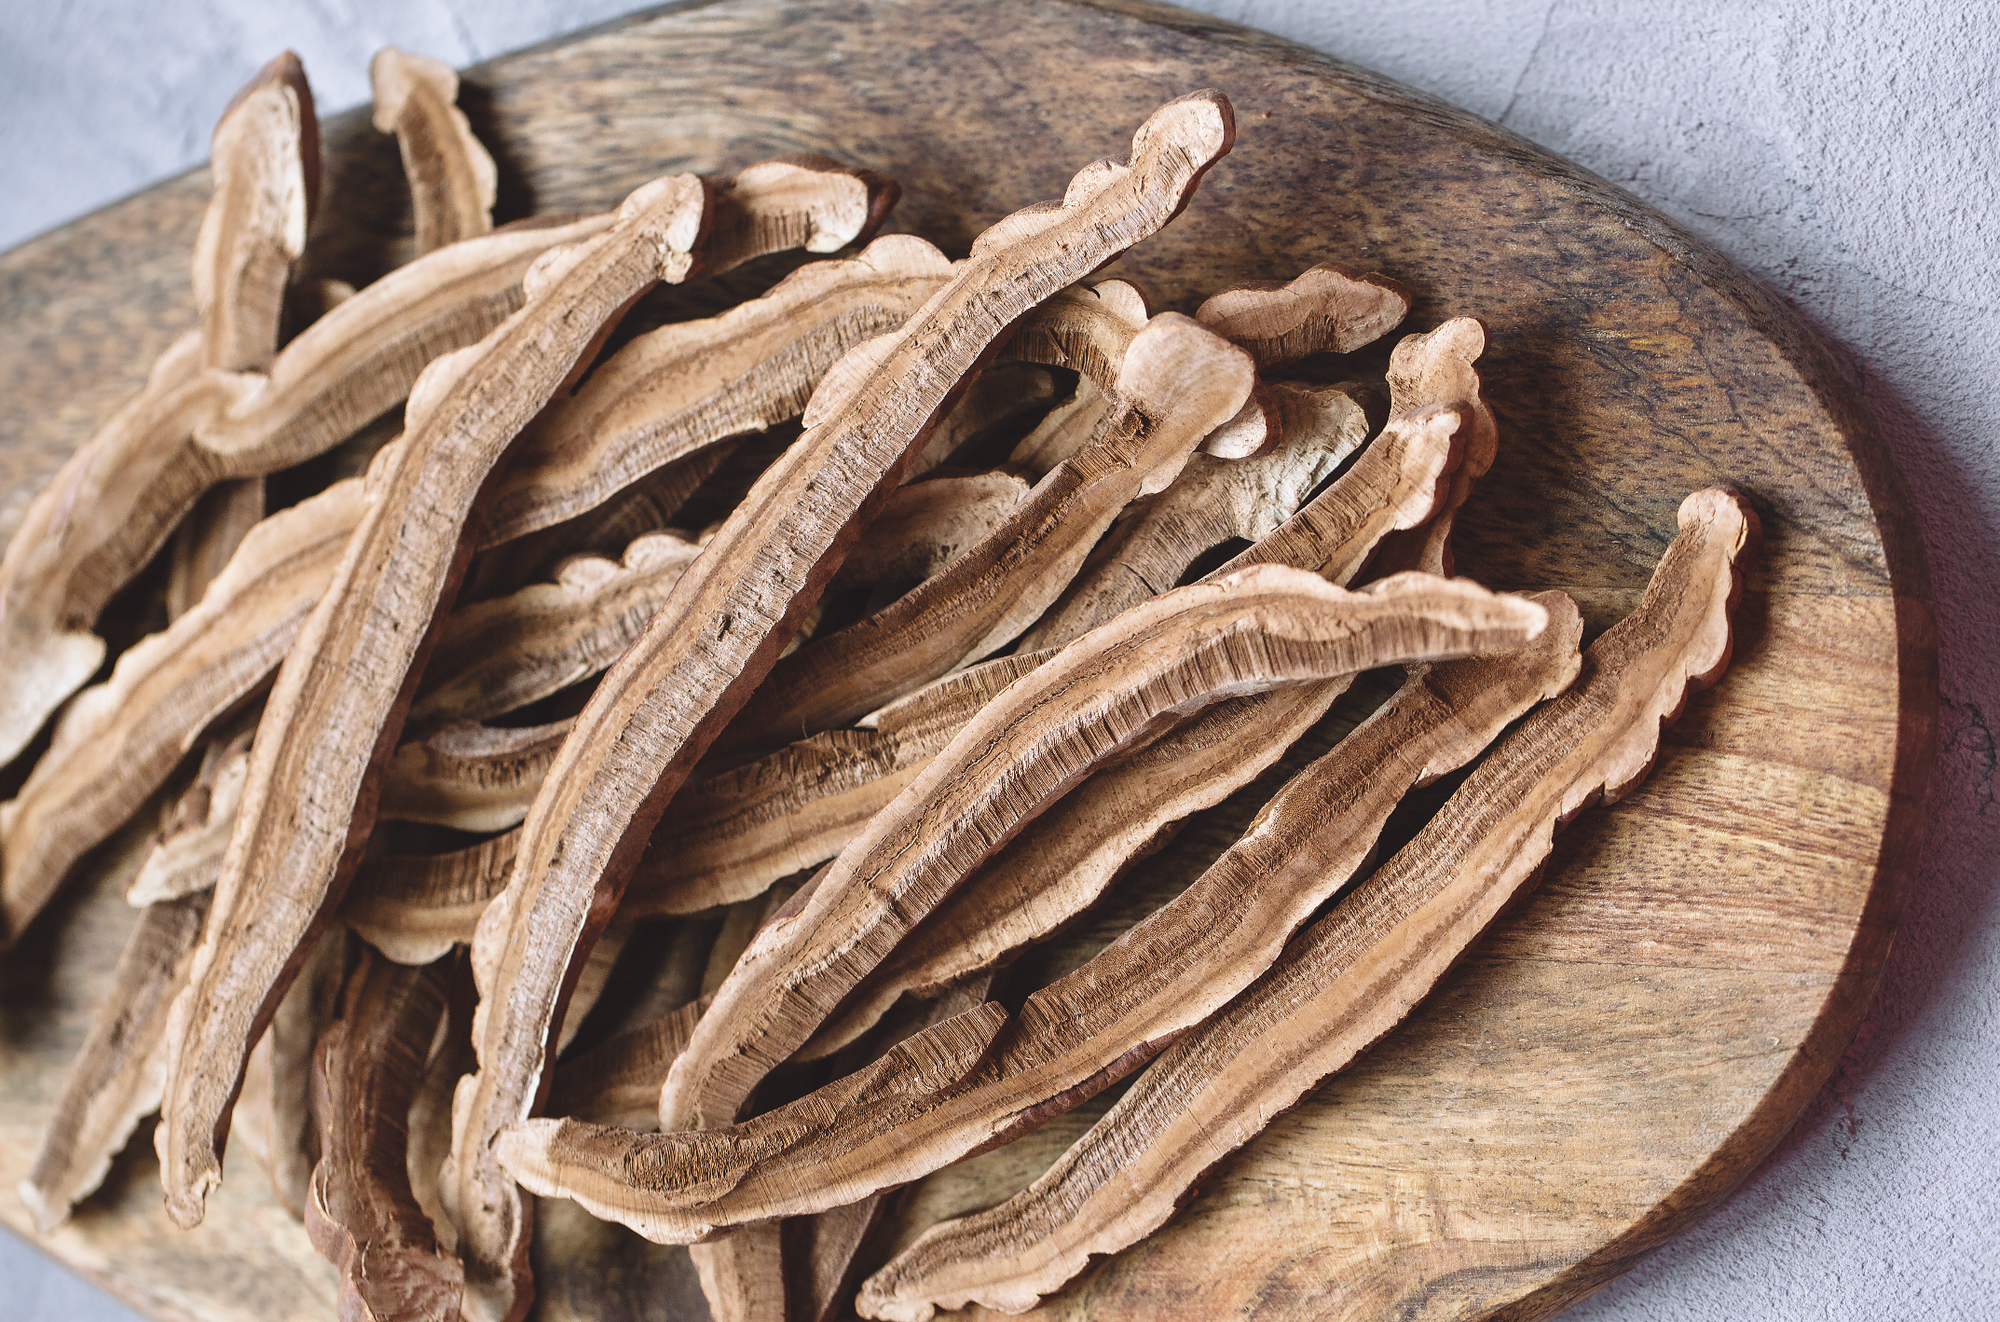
(869, 631)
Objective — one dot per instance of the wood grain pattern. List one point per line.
(1622, 1048)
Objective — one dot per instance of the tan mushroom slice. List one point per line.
(208, 538)
(119, 741)
(618, 1082)
(1157, 539)
(493, 657)
(1350, 977)
(414, 908)
(682, 388)
(452, 178)
(470, 777)
(1322, 310)
(1177, 381)
(312, 1003)
(1099, 1022)
(1394, 484)
(1427, 371)
(338, 703)
(652, 718)
(1064, 430)
(117, 1076)
(264, 160)
(430, 1113)
(362, 1214)
(926, 525)
(186, 853)
(1086, 328)
(996, 405)
(730, 837)
(1103, 697)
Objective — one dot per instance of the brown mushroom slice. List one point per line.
(452, 178)
(1103, 697)
(926, 525)
(1086, 328)
(730, 837)
(208, 537)
(1155, 540)
(1097, 1023)
(337, 705)
(264, 160)
(414, 908)
(117, 1076)
(674, 391)
(118, 742)
(1322, 310)
(1352, 976)
(659, 708)
(1177, 381)
(1394, 484)
(1426, 371)
(186, 853)
(362, 1215)
(430, 1113)
(1066, 428)
(470, 777)
(495, 656)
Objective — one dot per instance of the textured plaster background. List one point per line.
(1845, 153)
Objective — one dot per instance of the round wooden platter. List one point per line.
(1621, 1048)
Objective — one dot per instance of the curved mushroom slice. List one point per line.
(730, 837)
(362, 1214)
(1352, 976)
(1395, 484)
(1153, 543)
(1176, 383)
(119, 741)
(186, 855)
(674, 391)
(1426, 371)
(1086, 328)
(926, 525)
(334, 713)
(495, 656)
(470, 777)
(452, 178)
(264, 159)
(1066, 428)
(208, 538)
(805, 201)
(1103, 697)
(1323, 309)
(654, 715)
(312, 1002)
(1097, 1023)
(415, 907)
(117, 1076)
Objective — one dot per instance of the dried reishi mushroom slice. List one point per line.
(495, 656)
(926, 525)
(803, 201)
(993, 407)
(361, 1213)
(618, 1082)
(1350, 977)
(119, 741)
(1322, 310)
(674, 391)
(730, 837)
(655, 713)
(1086, 328)
(452, 178)
(264, 160)
(1155, 540)
(208, 538)
(1426, 371)
(186, 853)
(338, 703)
(1104, 696)
(117, 1076)
(1064, 430)
(471, 777)
(309, 1005)
(1097, 1023)
(1176, 382)
(415, 907)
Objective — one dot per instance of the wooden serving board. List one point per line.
(1625, 1045)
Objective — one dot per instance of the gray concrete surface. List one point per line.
(1845, 153)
